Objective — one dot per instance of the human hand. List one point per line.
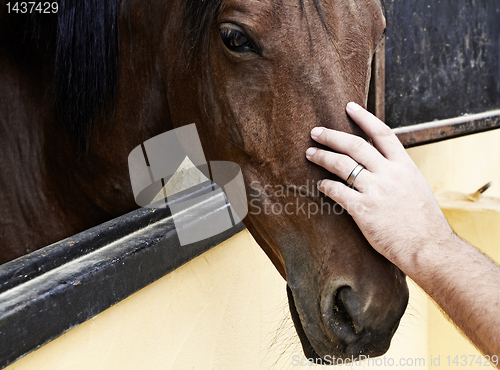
(391, 201)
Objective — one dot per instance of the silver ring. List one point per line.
(354, 173)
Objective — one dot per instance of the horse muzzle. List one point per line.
(353, 324)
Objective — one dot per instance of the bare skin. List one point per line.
(395, 209)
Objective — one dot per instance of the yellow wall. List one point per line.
(463, 164)
(455, 168)
(227, 309)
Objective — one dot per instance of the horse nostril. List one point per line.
(337, 312)
(340, 308)
(355, 320)
(341, 321)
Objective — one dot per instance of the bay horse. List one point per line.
(81, 88)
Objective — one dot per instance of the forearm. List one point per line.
(465, 284)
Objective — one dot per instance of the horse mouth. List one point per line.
(364, 346)
(309, 351)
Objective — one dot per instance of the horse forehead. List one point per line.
(273, 9)
(357, 22)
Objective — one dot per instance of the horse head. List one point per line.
(255, 76)
(261, 75)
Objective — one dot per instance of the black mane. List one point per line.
(81, 40)
(199, 15)
(86, 63)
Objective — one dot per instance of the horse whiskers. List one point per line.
(284, 343)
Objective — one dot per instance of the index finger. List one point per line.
(383, 138)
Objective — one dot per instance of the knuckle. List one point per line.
(319, 156)
(383, 130)
(356, 144)
(326, 135)
(328, 138)
(331, 189)
(343, 162)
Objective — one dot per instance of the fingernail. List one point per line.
(315, 132)
(352, 106)
(318, 185)
(310, 152)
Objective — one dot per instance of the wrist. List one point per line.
(425, 259)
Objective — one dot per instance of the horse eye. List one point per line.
(236, 41)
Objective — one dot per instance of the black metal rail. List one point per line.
(50, 291)
(431, 132)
